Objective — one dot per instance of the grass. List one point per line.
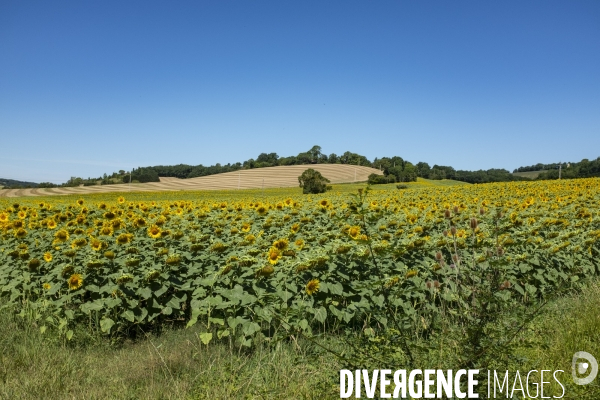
(175, 365)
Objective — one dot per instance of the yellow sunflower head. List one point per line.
(295, 228)
(246, 227)
(106, 230)
(77, 243)
(96, 245)
(22, 214)
(47, 257)
(21, 233)
(281, 244)
(124, 238)
(80, 202)
(75, 281)
(51, 224)
(61, 236)
(121, 199)
(354, 232)
(46, 286)
(274, 256)
(262, 210)
(312, 287)
(3, 217)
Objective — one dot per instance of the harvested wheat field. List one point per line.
(270, 177)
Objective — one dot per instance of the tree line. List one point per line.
(395, 169)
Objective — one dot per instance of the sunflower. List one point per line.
(46, 286)
(106, 230)
(250, 238)
(22, 214)
(312, 287)
(75, 281)
(411, 273)
(47, 257)
(121, 199)
(110, 255)
(139, 222)
(261, 210)
(124, 238)
(281, 244)
(124, 279)
(96, 245)
(246, 227)
(3, 217)
(295, 228)
(324, 203)
(274, 256)
(21, 233)
(77, 243)
(80, 202)
(354, 232)
(51, 224)
(299, 244)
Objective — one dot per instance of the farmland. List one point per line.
(253, 266)
(270, 177)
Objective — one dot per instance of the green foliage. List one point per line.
(143, 175)
(312, 182)
(241, 265)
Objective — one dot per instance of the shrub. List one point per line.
(312, 181)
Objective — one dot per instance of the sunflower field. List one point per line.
(249, 266)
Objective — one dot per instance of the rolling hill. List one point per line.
(270, 177)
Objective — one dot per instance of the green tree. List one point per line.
(312, 181)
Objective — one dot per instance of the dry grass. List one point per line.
(271, 177)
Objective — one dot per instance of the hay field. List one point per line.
(271, 177)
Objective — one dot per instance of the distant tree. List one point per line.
(315, 153)
(270, 159)
(423, 169)
(144, 175)
(304, 158)
(312, 181)
(333, 159)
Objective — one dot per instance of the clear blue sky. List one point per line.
(88, 87)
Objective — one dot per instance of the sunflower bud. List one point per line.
(473, 223)
(447, 214)
(436, 284)
(453, 231)
(438, 256)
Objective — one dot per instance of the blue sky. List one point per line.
(94, 87)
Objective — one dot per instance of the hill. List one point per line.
(268, 177)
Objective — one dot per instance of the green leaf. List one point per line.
(145, 292)
(43, 329)
(321, 314)
(206, 337)
(69, 334)
(128, 315)
(106, 324)
(218, 321)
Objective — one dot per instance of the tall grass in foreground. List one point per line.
(176, 365)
